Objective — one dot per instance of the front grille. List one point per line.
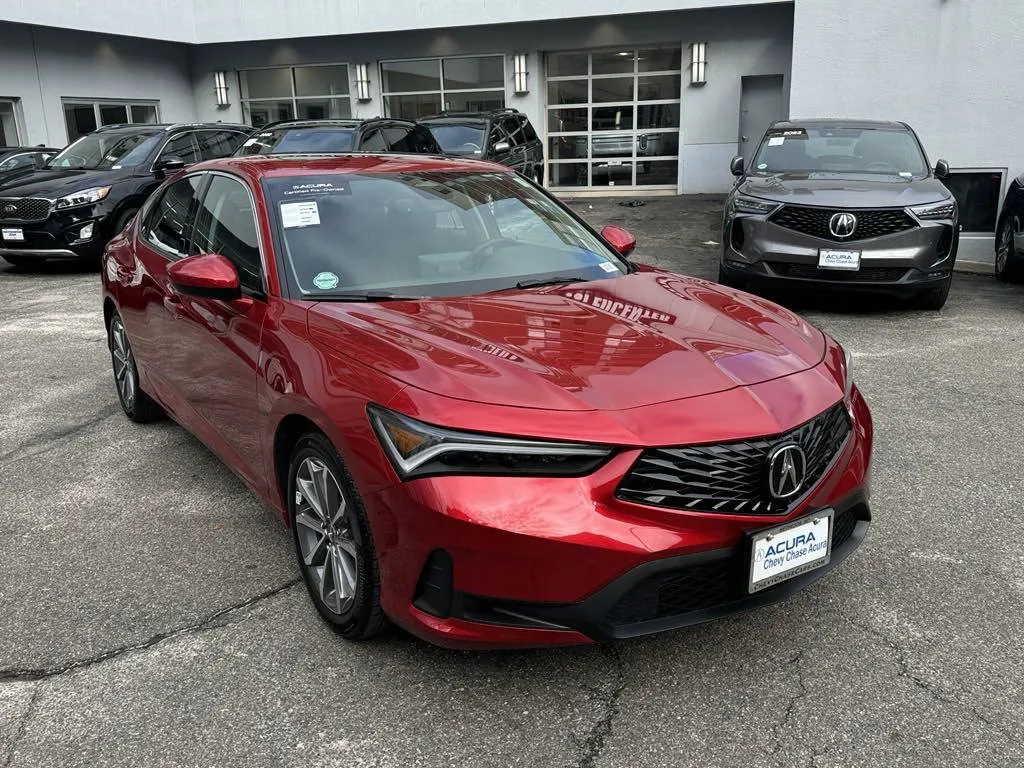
(811, 272)
(24, 209)
(870, 223)
(730, 478)
(706, 585)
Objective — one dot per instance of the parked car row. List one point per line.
(68, 204)
(852, 205)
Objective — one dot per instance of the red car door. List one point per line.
(219, 341)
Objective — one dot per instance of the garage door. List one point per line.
(613, 118)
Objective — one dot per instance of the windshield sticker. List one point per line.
(326, 281)
(304, 214)
(607, 266)
(762, 166)
(776, 141)
(906, 174)
(788, 133)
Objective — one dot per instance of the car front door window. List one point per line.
(184, 146)
(166, 224)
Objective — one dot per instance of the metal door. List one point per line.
(762, 102)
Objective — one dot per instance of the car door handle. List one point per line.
(173, 305)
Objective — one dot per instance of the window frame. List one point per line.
(19, 130)
(294, 98)
(154, 203)
(442, 91)
(261, 251)
(74, 101)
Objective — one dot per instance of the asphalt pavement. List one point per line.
(151, 614)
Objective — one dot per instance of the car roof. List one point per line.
(12, 150)
(256, 167)
(832, 122)
(334, 122)
(475, 119)
(162, 127)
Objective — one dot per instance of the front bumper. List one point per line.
(58, 236)
(471, 562)
(758, 250)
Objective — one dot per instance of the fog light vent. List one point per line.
(434, 589)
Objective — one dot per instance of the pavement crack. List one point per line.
(801, 692)
(221, 618)
(49, 440)
(593, 743)
(19, 734)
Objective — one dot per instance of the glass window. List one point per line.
(513, 126)
(565, 64)
(374, 142)
(24, 160)
(321, 81)
(613, 62)
(299, 139)
(412, 107)
(266, 83)
(659, 60)
(112, 114)
(657, 116)
(415, 75)
(143, 113)
(214, 144)
(613, 89)
(102, 151)
(657, 87)
(80, 120)
(528, 131)
(977, 197)
(474, 72)
(323, 109)
(427, 234)
(409, 139)
(568, 92)
(474, 101)
(166, 223)
(8, 125)
(260, 113)
(226, 224)
(459, 138)
(184, 146)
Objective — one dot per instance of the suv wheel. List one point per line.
(1008, 264)
(935, 298)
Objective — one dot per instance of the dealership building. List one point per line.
(629, 97)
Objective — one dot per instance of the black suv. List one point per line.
(90, 190)
(23, 160)
(503, 136)
(378, 134)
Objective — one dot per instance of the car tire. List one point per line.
(136, 404)
(935, 298)
(332, 538)
(728, 280)
(1008, 265)
(122, 221)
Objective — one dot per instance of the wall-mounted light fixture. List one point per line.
(520, 74)
(220, 87)
(698, 63)
(363, 82)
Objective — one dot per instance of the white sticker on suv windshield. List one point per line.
(325, 281)
(304, 214)
(607, 266)
(776, 141)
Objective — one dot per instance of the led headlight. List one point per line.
(417, 449)
(85, 197)
(743, 204)
(944, 210)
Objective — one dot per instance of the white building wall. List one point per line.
(39, 66)
(741, 41)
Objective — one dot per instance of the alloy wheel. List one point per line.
(124, 364)
(327, 547)
(1005, 246)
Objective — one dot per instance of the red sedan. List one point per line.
(481, 421)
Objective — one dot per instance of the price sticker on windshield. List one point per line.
(304, 214)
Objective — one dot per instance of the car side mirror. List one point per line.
(168, 165)
(207, 276)
(736, 165)
(941, 169)
(620, 239)
(502, 146)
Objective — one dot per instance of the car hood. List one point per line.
(845, 190)
(55, 182)
(621, 343)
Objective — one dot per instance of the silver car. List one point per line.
(841, 204)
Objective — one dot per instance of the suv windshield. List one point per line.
(459, 138)
(283, 141)
(834, 149)
(425, 234)
(103, 151)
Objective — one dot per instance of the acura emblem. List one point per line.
(787, 469)
(10, 209)
(842, 225)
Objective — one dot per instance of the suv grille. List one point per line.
(729, 478)
(706, 585)
(814, 222)
(24, 209)
(811, 272)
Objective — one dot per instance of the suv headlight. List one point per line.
(944, 210)
(417, 449)
(85, 197)
(744, 204)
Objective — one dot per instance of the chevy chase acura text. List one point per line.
(481, 421)
(842, 205)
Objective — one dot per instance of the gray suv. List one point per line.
(848, 204)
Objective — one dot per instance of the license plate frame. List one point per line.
(786, 534)
(12, 234)
(843, 259)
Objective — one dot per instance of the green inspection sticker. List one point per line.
(325, 281)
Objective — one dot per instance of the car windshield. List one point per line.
(286, 141)
(103, 151)
(834, 149)
(459, 138)
(427, 234)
